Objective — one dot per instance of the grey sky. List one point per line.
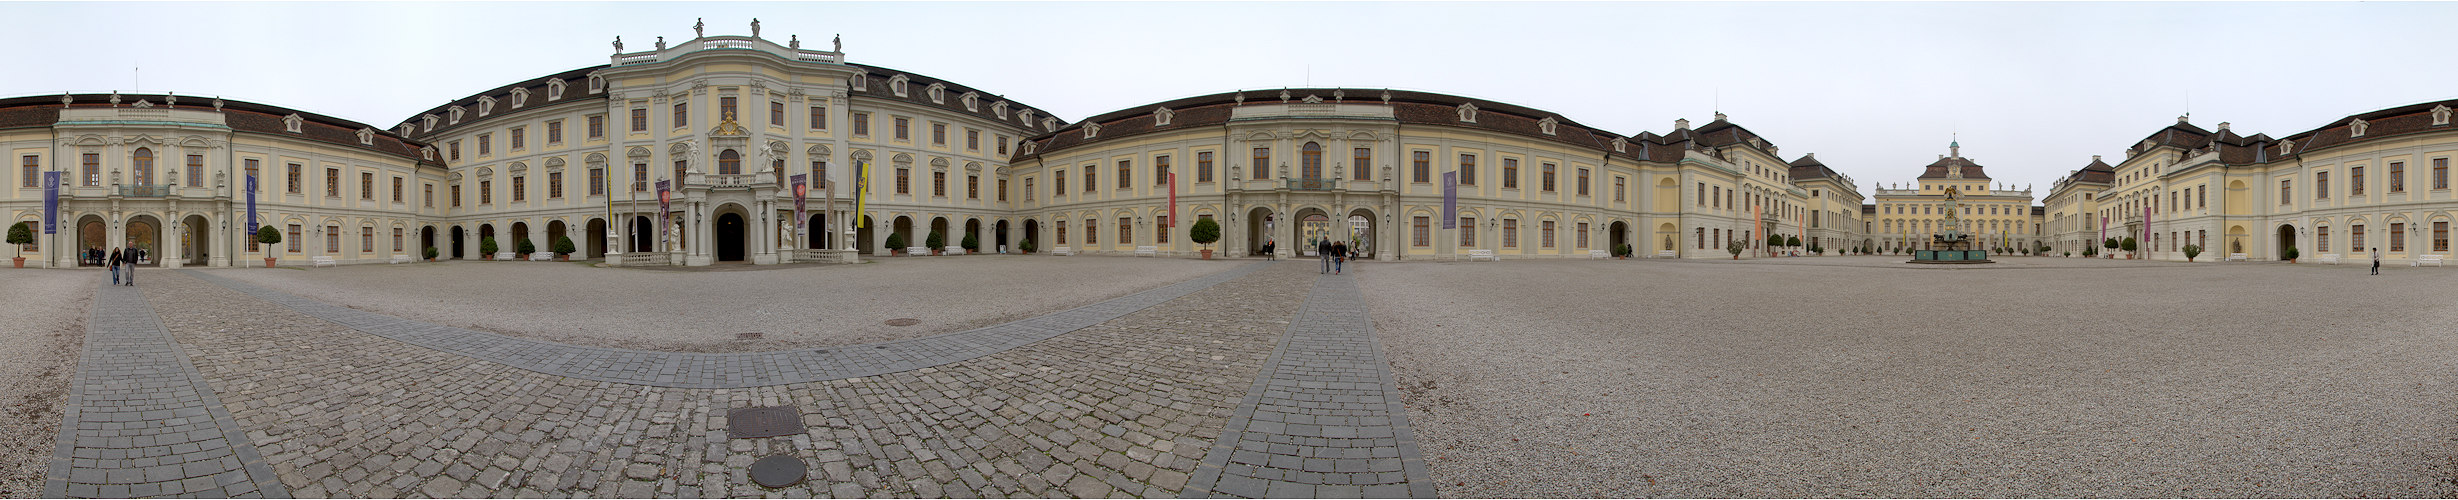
(1875, 89)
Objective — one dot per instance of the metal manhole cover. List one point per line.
(904, 322)
(767, 421)
(747, 336)
(777, 471)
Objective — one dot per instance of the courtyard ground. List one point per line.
(1863, 376)
(41, 329)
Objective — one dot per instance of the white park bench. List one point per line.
(1598, 254)
(403, 259)
(917, 250)
(1062, 251)
(2434, 260)
(954, 250)
(506, 256)
(2329, 258)
(1483, 254)
(541, 256)
(1147, 251)
(2236, 256)
(1665, 254)
(321, 260)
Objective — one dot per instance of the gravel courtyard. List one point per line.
(1849, 377)
(41, 332)
(702, 309)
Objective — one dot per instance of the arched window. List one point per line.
(1312, 159)
(729, 163)
(144, 168)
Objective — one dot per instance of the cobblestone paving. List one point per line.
(141, 421)
(734, 370)
(1125, 407)
(1324, 419)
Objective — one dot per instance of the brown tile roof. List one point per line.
(576, 88)
(43, 111)
(917, 92)
(1408, 107)
(1937, 170)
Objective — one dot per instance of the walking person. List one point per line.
(1268, 246)
(1322, 248)
(2376, 261)
(1339, 256)
(129, 275)
(114, 264)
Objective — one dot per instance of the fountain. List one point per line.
(1951, 246)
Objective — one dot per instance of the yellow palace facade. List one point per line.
(1998, 218)
(726, 123)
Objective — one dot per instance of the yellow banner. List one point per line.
(861, 192)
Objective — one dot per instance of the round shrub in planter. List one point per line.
(1026, 246)
(524, 247)
(487, 248)
(18, 235)
(971, 244)
(935, 241)
(1205, 232)
(431, 253)
(268, 236)
(896, 243)
(563, 248)
(1622, 250)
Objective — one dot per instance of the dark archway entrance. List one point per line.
(817, 234)
(729, 235)
(145, 238)
(904, 231)
(2287, 239)
(644, 234)
(972, 230)
(520, 233)
(1032, 230)
(1259, 225)
(486, 233)
(193, 236)
(459, 234)
(554, 233)
(91, 235)
(862, 237)
(1618, 234)
(938, 226)
(597, 239)
(998, 240)
(426, 240)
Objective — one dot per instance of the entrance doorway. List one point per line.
(730, 229)
(597, 239)
(2287, 239)
(145, 238)
(91, 236)
(193, 235)
(1259, 225)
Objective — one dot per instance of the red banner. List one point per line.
(1173, 199)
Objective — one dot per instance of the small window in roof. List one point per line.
(896, 84)
(1547, 125)
(1161, 116)
(519, 97)
(430, 119)
(999, 108)
(1468, 112)
(2356, 126)
(486, 105)
(554, 89)
(366, 137)
(972, 101)
(938, 93)
(597, 83)
(291, 123)
(1092, 130)
(456, 116)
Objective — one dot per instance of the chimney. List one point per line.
(2223, 126)
(2095, 158)
(1681, 124)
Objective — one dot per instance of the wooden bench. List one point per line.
(1483, 254)
(403, 259)
(2434, 260)
(2329, 258)
(1147, 251)
(2236, 256)
(322, 260)
(1062, 251)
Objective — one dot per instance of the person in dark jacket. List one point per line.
(113, 262)
(1339, 256)
(1268, 247)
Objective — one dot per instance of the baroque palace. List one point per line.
(691, 154)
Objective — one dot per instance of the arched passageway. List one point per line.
(730, 232)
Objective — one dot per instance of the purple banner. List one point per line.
(800, 192)
(251, 207)
(665, 198)
(1450, 200)
(51, 202)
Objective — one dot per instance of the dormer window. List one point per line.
(520, 97)
(486, 105)
(2287, 147)
(1547, 125)
(999, 108)
(456, 113)
(554, 89)
(597, 82)
(404, 130)
(861, 83)
(1092, 130)
(1468, 112)
(972, 101)
(366, 137)
(427, 153)
(938, 93)
(2440, 115)
(430, 119)
(2356, 126)
(1050, 124)
(896, 85)
(1621, 145)
(1030, 147)
(1161, 116)
(291, 123)
(1025, 116)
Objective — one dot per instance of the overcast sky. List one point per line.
(1875, 89)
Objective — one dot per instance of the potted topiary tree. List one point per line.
(2128, 246)
(2290, 254)
(563, 248)
(1205, 232)
(268, 236)
(1774, 241)
(431, 253)
(2111, 245)
(970, 244)
(1735, 248)
(19, 237)
(1622, 251)
(487, 248)
(1026, 246)
(935, 241)
(1792, 242)
(896, 242)
(2192, 251)
(523, 248)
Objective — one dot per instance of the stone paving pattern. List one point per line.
(1323, 420)
(142, 422)
(732, 370)
(1125, 407)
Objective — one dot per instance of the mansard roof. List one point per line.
(44, 111)
(576, 88)
(2390, 122)
(1408, 107)
(1937, 170)
(877, 88)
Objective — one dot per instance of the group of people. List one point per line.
(96, 255)
(1335, 254)
(123, 263)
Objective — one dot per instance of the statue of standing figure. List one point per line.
(618, 43)
(840, 43)
(755, 27)
(699, 27)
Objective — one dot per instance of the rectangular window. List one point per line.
(293, 238)
(397, 189)
(2440, 236)
(862, 124)
(819, 174)
(486, 144)
(938, 184)
(554, 132)
(367, 240)
(294, 182)
(2321, 239)
(1263, 164)
(2321, 185)
(640, 120)
(486, 192)
(1467, 232)
(1058, 182)
(938, 134)
(332, 182)
(1546, 179)
(1510, 233)
(2284, 192)
(1620, 187)
(726, 109)
(453, 150)
(1424, 236)
(1421, 167)
(1510, 173)
(1702, 194)
(367, 186)
(196, 170)
(1029, 192)
(2398, 236)
(972, 187)
(396, 240)
(1362, 162)
(1002, 190)
(2355, 181)
(1160, 170)
(1126, 170)
(681, 168)
(1582, 235)
(1545, 234)
(2398, 177)
(1091, 181)
(33, 171)
(972, 140)
(1092, 232)
(640, 177)
(597, 126)
(520, 188)
(520, 138)
(1583, 182)
(776, 113)
(819, 118)
(2357, 238)
(682, 115)
(332, 239)
(2201, 196)
(1467, 170)
(904, 128)
(1203, 166)
(1062, 232)
(1002, 138)
(597, 182)
(1160, 229)
(92, 163)
(2440, 173)
(456, 196)
(904, 180)
(554, 185)
(1126, 231)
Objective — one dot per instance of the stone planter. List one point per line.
(1207, 255)
(269, 262)
(20, 262)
